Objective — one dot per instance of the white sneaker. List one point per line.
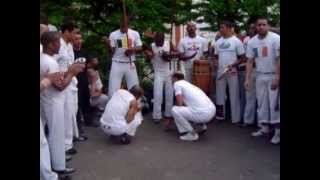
(191, 136)
(276, 137)
(259, 133)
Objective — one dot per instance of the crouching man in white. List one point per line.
(192, 105)
(122, 115)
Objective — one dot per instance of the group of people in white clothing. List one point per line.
(60, 65)
(250, 68)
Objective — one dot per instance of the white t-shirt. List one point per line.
(65, 58)
(190, 45)
(117, 108)
(119, 41)
(245, 42)
(192, 96)
(48, 65)
(228, 50)
(264, 51)
(159, 65)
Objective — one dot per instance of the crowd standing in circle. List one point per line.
(72, 93)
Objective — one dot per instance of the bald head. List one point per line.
(43, 28)
(137, 91)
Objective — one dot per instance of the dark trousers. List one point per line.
(83, 111)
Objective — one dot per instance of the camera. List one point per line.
(80, 60)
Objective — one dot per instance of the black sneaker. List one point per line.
(81, 138)
(122, 139)
(201, 129)
(71, 151)
(68, 158)
(156, 121)
(66, 171)
(125, 139)
(65, 177)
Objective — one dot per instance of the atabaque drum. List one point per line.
(202, 75)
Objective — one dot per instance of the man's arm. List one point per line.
(240, 59)
(133, 50)
(94, 92)
(278, 68)
(44, 83)
(111, 46)
(240, 54)
(179, 100)
(249, 66)
(275, 82)
(250, 55)
(137, 46)
(215, 55)
(148, 53)
(178, 94)
(66, 78)
(133, 109)
(49, 79)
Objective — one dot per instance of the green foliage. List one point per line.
(97, 18)
(240, 11)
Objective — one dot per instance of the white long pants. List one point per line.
(267, 100)
(251, 101)
(183, 114)
(233, 84)
(162, 80)
(52, 113)
(74, 115)
(121, 128)
(188, 74)
(242, 92)
(118, 70)
(46, 172)
(70, 114)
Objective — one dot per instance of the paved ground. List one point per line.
(226, 152)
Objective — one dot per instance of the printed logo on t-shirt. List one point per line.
(193, 47)
(224, 45)
(255, 51)
(123, 43)
(264, 51)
